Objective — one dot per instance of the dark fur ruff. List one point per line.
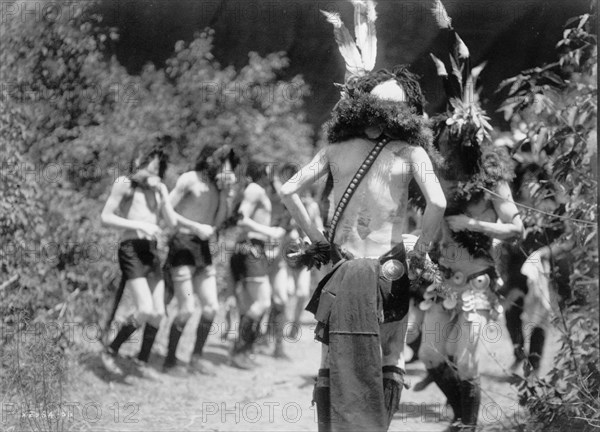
(352, 116)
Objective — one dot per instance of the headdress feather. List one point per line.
(439, 66)
(460, 83)
(359, 55)
(442, 18)
(366, 35)
(462, 52)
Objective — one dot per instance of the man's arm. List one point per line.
(168, 213)
(509, 226)
(253, 194)
(556, 249)
(223, 211)
(180, 190)
(315, 215)
(434, 196)
(109, 216)
(307, 176)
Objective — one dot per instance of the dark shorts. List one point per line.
(189, 250)
(249, 260)
(139, 258)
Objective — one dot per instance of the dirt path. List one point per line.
(274, 397)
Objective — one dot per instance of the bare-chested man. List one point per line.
(299, 273)
(362, 366)
(200, 198)
(249, 263)
(135, 206)
(277, 269)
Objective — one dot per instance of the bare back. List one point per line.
(374, 219)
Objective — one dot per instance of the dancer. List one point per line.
(377, 136)
(301, 274)
(475, 177)
(249, 263)
(541, 250)
(135, 205)
(200, 198)
(286, 272)
(278, 269)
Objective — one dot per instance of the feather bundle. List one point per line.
(346, 45)
(359, 55)
(460, 82)
(366, 35)
(441, 16)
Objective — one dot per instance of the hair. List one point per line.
(156, 151)
(464, 158)
(256, 170)
(406, 79)
(212, 157)
(288, 170)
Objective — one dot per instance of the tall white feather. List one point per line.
(470, 91)
(366, 34)
(461, 48)
(439, 66)
(441, 16)
(346, 44)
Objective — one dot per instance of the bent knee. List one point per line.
(265, 303)
(144, 313)
(182, 273)
(209, 271)
(430, 356)
(262, 305)
(210, 310)
(183, 315)
(150, 316)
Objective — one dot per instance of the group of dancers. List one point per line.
(200, 205)
(387, 156)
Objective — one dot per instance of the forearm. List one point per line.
(184, 222)
(114, 221)
(501, 231)
(296, 208)
(256, 227)
(169, 212)
(223, 210)
(433, 217)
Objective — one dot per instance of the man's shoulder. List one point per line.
(193, 179)
(349, 143)
(347, 150)
(254, 189)
(191, 176)
(409, 151)
(122, 184)
(360, 143)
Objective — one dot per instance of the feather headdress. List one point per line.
(359, 55)
(465, 115)
(469, 157)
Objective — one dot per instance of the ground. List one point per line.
(274, 397)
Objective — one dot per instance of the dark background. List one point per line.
(511, 35)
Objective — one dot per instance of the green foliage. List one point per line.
(559, 104)
(82, 112)
(71, 118)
